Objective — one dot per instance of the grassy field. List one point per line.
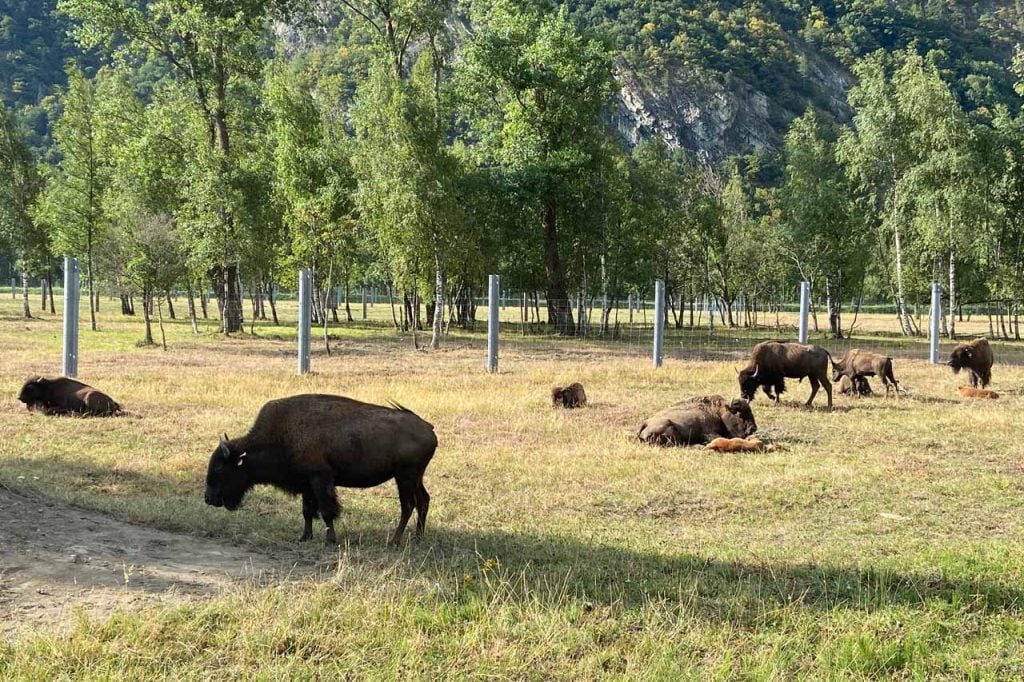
(884, 541)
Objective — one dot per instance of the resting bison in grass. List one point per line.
(976, 358)
(857, 364)
(308, 444)
(772, 362)
(968, 392)
(66, 396)
(698, 421)
(735, 445)
(858, 386)
(569, 396)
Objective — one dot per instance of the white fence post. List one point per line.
(659, 322)
(933, 331)
(304, 319)
(493, 294)
(69, 361)
(805, 306)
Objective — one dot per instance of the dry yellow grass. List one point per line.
(884, 540)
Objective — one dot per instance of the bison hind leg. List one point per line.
(407, 492)
(327, 503)
(309, 512)
(422, 506)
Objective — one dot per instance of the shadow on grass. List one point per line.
(534, 567)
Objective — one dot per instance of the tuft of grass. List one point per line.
(884, 541)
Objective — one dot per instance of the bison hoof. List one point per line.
(330, 538)
(305, 536)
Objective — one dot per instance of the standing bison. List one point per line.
(858, 364)
(976, 358)
(66, 396)
(772, 362)
(308, 444)
(698, 421)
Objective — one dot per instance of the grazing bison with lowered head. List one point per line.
(698, 421)
(66, 396)
(984, 393)
(857, 364)
(976, 358)
(772, 362)
(570, 396)
(858, 386)
(309, 444)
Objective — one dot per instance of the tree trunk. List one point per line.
(192, 310)
(148, 340)
(202, 300)
(901, 300)
(24, 295)
(160, 320)
(435, 337)
(231, 316)
(952, 294)
(391, 302)
(559, 309)
(170, 308)
(49, 287)
(348, 307)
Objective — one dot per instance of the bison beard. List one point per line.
(976, 357)
(309, 444)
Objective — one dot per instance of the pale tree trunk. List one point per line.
(192, 311)
(952, 294)
(435, 338)
(327, 338)
(901, 305)
(24, 295)
(146, 296)
(160, 320)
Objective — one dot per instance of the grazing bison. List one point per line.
(857, 364)
(66, 396)
(976, 358)
(308, 444)
(569, 396)
(735, 445)
(968, 392)
(698, 421)
(858, 386)
(772, 362)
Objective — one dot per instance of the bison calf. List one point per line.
(858, 386)
(309, 444)
(698, 421)
(66, 396)
(969, 392)
(857, 364)
(735, 445)
(976, 358)
(570, 396)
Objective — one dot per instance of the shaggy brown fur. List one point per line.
(66, 396)
(772, 362)
(308, 444)
(570, 396)
(976, 358)
(697, 421)
(857, 364)
(858, 386)
(969, 392)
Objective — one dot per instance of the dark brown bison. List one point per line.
(698, 421)
(857, 364)
(772, 362)
(976, 358)
(569, 396)
(858, 386)
(66, 396)
(308, 444)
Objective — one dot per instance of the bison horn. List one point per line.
(757, 368)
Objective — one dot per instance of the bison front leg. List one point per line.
(815, 385)
(309, 512)
(974, 379)
(326, 498)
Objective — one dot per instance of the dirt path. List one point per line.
(55, 559)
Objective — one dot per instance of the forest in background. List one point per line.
(420, 145)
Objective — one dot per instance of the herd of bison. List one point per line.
(309, 444)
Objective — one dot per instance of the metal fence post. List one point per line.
(493, 294)
(304, 319)
(69, 361)
(659, 322)
(933, 331)
(805, 306)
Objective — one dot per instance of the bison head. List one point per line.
(962, 356)
(749, 382)
(838, 372)
(739, 419)
(34, 391)
(227, 477)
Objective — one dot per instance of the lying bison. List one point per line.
(983, 393)
(66, 396)
(308, 444)
(698, 421)
(772, 362)
(858, 386)
(857, 364)
(976, 358)
(570, 396)
(735, 445)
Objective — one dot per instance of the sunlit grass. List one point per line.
(885, 540)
